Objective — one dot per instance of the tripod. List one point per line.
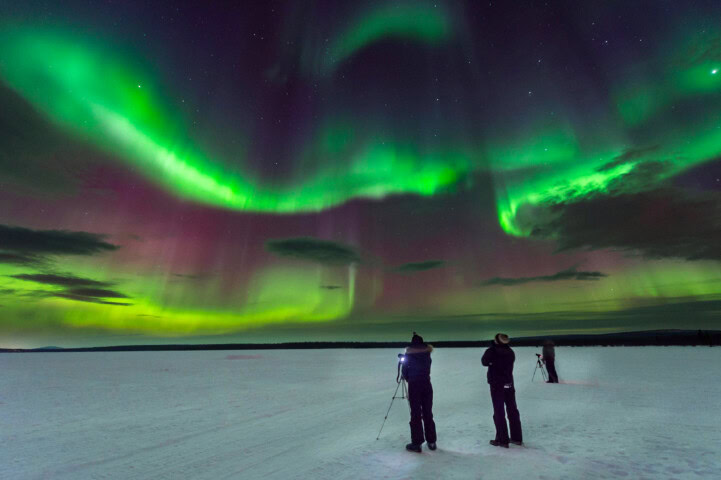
(539, 364)
(401, 383)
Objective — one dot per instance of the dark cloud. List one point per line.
(76, 288)
(314, 250)
(198, 276)
(60, 280)
(419, 266)
(52, 242)
(568, 274)
(661, 223)
(19, 259)
(330, 287)
(82, 298)
(96, 292)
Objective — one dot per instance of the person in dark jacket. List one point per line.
(417, 372)
(499, 359)
(549, 358)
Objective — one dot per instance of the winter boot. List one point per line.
(412, 447)
(517, 442)
(496, 443)
(432, 445)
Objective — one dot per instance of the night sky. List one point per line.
(176, 172)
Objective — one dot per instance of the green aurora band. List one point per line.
(595, 173)
(417, 22)
(100, 97)
(689, 79)
(158, 306)
(290, 294)
(95, 93)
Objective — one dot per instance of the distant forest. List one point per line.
(628, 339)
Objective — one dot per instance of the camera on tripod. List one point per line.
(400, 383)
(539, 366)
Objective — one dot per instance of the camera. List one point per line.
(538, 355)
(401, 357)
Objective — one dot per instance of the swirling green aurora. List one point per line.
(97, 94)
(364, 167)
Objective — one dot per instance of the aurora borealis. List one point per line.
(182, 172)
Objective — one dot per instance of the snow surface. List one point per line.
(636, 413)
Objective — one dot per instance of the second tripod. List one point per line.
(539, 364)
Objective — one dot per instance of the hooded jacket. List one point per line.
(417, 363)
(499, 359)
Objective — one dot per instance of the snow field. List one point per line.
(624, 412)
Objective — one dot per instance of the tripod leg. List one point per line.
(405, 387)
(534, 372)
(389, 410)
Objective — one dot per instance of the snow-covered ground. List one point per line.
(635, 413)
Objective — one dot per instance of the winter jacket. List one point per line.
(417, 363)
(549, 352)
(499, 360)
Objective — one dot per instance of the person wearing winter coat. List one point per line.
(499, 359)
(549, 358)
(417, 372)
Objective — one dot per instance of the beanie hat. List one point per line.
(501, 339)
(417, 339)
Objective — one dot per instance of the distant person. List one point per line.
(417, 372)
(549, 358)
(499, 359)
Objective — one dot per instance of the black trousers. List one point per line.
(420, 396)
(551, 367)
(501, 396)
